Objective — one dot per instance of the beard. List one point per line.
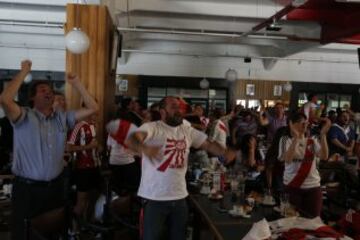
(174, 121)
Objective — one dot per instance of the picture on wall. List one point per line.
(250, 89)
(277, 90)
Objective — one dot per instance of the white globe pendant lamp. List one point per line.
(204, 84)
(231, 75)
(287, 87)
(76, 41)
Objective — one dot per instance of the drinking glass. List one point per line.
(284, 203)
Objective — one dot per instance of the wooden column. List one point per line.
(93, 66)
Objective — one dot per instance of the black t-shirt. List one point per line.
(6, 140)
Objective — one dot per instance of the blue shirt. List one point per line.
(39, 143)
(345, 136)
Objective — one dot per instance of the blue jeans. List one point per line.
(169, 215)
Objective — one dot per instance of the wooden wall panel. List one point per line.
(264, 90)
(92, 66)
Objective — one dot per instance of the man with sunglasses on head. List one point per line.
(165, 147)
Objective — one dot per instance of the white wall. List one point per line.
(45, 60)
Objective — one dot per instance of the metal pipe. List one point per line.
(235, 56)
(203, 33)
(179, 53)
(250, 34)
(30, 47)
(31, 24)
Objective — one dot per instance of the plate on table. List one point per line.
(277, 209)
(2, 197)
(216, 196)
(268, 203)
(235, 213)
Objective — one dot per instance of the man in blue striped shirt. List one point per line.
(39, 143)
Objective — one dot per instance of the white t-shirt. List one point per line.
(218, 133)
(119, 154)
(163, 178)
(291, 169)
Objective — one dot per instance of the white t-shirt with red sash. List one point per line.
(163, 178)
(119, 130)
(302, 171)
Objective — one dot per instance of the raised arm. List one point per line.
(12, 110)
(288, 155)
(91, 106)
(216, 149)
(136, 143)
(263, 117)
(324, 151)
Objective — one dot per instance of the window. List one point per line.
(209, 98)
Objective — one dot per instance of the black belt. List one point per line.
(39, 183)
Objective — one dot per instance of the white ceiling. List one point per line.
(174, 27)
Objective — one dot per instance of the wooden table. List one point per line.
(221, 224)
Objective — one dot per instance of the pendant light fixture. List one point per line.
(204, 84)
(76, 41)
(231, 75)
(287, 87)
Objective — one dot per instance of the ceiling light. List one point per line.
(76, 41)
(204, 84)
(287, 87)
(231, 75)
(274, 26)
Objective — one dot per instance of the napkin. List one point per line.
(259, 231)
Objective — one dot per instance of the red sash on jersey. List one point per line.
(222, 127)
(122, 132)
(305, 167)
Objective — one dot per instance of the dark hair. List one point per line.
(310, 96)
(273, 151)
(217, 113)
(297, 117)
(33, 88)
(125, 103)
(343, 112)
(332, 113)
(155, 115)
(154, 106)
(162, 103)
(279, 103)
(245, 113)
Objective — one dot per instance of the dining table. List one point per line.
(213, 216)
